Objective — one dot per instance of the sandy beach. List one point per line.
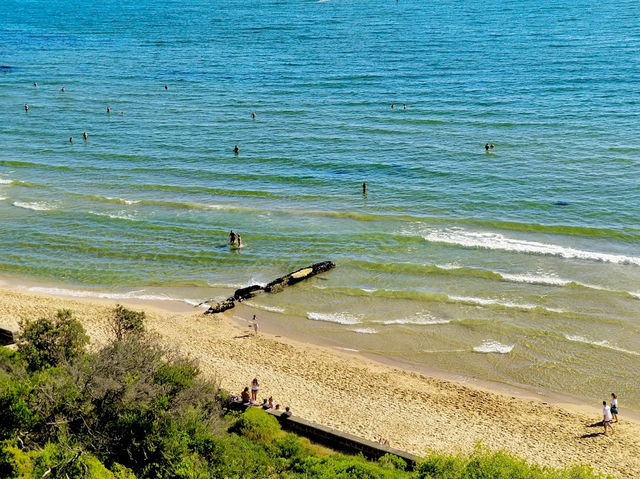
(355, 394)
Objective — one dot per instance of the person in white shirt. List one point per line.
(614, 407)
(606, 417)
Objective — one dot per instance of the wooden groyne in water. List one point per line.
(274, 286)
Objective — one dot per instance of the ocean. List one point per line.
(520, 265)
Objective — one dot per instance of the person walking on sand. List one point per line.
(606, 417)
(255, 325)
(254, 389)
(614, 407)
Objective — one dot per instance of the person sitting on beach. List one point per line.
(245, 395)
(287, 412)
(606, 417)
(232, 237)
(265, 404)
(277, 408)
(254, 389)
(270, 403)
(614, 407)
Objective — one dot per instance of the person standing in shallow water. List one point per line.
(364, 189)
(232, 237)
(85, 135)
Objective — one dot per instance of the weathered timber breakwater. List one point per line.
(274, 286)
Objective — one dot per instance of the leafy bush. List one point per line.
(257, 425)
(125, 322)
(49, 342)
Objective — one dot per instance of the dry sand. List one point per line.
(354, 394)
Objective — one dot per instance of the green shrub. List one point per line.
(125, 322)
(257, 425)
(49, 342)
(16, 416)
(391, 461)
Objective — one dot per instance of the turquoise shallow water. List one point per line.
(521, 265)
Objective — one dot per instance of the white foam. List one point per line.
(637, 295)
(535, 279)
(496, 241)
(4, 181)
(122, 200)
(122, 215)
(341, 318)
(602, 344)
(351, 350)
(365, 331)
(489, 302)
(273, 309)
(34, 205)
(492, 346)
(75, 293)
(2, 198)
(419, 318)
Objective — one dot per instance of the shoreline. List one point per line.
(347, 391)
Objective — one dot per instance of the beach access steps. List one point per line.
(274, 286)
(334, 439)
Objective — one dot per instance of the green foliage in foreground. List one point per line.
(136, 410)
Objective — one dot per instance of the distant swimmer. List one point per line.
(108, 109)
(393, 106)
(236, 150)
(35, 83)
(364, 188)
(70, 139)
(121, 113)
(489, 146)
(63, 89)
(26, 107)
(404, 107)
(232, 237)
(85, 136)
(166, 87)
(253, 115)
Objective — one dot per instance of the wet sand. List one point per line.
(355, 394)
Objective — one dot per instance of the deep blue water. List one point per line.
(531, 250)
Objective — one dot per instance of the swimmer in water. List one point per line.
(253, 115)
(232, 237)
(364, 189)
(236, 150)
(70, 139)
(63, 89)
(85, 136)
(108, 109)
(35, 83)
(26, 107)
(393, 106)
(404, 107)
(166, 87)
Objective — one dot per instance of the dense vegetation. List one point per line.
(134, 409)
